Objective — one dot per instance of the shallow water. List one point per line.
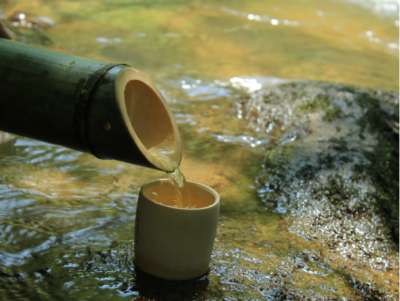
(66, 218)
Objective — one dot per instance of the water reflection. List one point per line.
(373, 38)
(260, 18)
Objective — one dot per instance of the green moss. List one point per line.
(314, 104)
(332, 113)
(33, 36)
(322, 103)
(384, 158)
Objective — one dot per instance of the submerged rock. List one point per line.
(25, 28)
(331, 165)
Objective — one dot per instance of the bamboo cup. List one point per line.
(175, 243)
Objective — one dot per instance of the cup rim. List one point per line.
(212, 191)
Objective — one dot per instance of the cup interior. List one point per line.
(191, 195)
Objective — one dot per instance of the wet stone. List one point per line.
(29, 29)
(331, 166)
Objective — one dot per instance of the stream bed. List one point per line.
(286, 108)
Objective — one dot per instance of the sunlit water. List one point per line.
(66, 218)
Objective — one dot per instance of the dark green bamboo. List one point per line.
(65, 100)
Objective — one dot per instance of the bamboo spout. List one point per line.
(110, 110)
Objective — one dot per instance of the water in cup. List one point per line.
(164, 153)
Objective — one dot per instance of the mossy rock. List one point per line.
(27, 31)
(332, 164)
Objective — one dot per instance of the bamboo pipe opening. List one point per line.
(149, 120)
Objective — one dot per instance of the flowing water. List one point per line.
(178, 178)
(178, 181)
(66, 218)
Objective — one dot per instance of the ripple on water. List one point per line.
(260, 18)
(253, 84)
(188, 88)
(19, 258)
(388, 8)
(371, 36)
(108, 41)
(241, 140)
(11, 200)
(41, 153)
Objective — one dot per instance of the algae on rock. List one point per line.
(331, 166)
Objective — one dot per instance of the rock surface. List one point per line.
(331, 165)
(25, 28)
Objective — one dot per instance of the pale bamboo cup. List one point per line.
(175, 243)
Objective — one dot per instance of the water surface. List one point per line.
(66, 218)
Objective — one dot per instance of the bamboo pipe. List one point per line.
(109, 110)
